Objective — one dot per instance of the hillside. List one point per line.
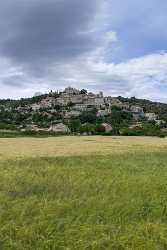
(82, 112)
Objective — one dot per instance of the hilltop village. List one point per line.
(82, 112)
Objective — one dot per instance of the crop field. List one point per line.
(83, 193)
(73, 145)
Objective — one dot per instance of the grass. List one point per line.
(77, 145)
(90, 202)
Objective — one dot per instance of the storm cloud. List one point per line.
(49, 31)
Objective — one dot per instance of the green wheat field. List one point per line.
(83, 193)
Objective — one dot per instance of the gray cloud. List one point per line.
(36, 33)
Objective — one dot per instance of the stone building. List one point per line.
(136, 109)
(99, 101)
(71, 91)
(113, 101)
(102, 113)
(80, 107)
(151, 116)
(48, 102)
(107, 127)
(137, 112)
(60, 127)
(76, 99)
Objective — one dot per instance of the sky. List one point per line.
(118, 47)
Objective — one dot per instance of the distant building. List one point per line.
(136, 125)
(137, 109)
(99, 101)
(107, 127)
(60, 127)
(151, 116)
(113, 101)
(71, 91)
(160, 122)
(80, 107)
(76, 99)
(48, 102)
(62, 101)
(34, 127)
(137, 112)
(102, 113)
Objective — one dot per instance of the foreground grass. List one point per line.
(84, 203)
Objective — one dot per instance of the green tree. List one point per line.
(83, 91)
(74, 125)
(88, 116)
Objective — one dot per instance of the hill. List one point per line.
(82, 112)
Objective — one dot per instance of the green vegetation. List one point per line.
(148, 129)
(148, 106)
(29, 133)
(119, 119)
(84, 114)
(84, 203)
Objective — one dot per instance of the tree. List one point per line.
(88, 116)
(70, 104)
(83, 91)
(88, 128)
(119, 119)
(74, 125)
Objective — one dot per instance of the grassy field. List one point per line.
(83, 193)
(73, 145)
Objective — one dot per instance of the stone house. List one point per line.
(71, 91)
(102, 113)
(89, 99)
(159, 122)
(34, 127)
(48, 102)
(76, 99)
(99, 101)
(136, 125)
(137, 112)
(62, 101)
(137, 116)
(112, 101)
(137, 109)
(80, 107)
(60, 127)
(151, 116)
(107, 127)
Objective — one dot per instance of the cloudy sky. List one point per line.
(111, 45)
